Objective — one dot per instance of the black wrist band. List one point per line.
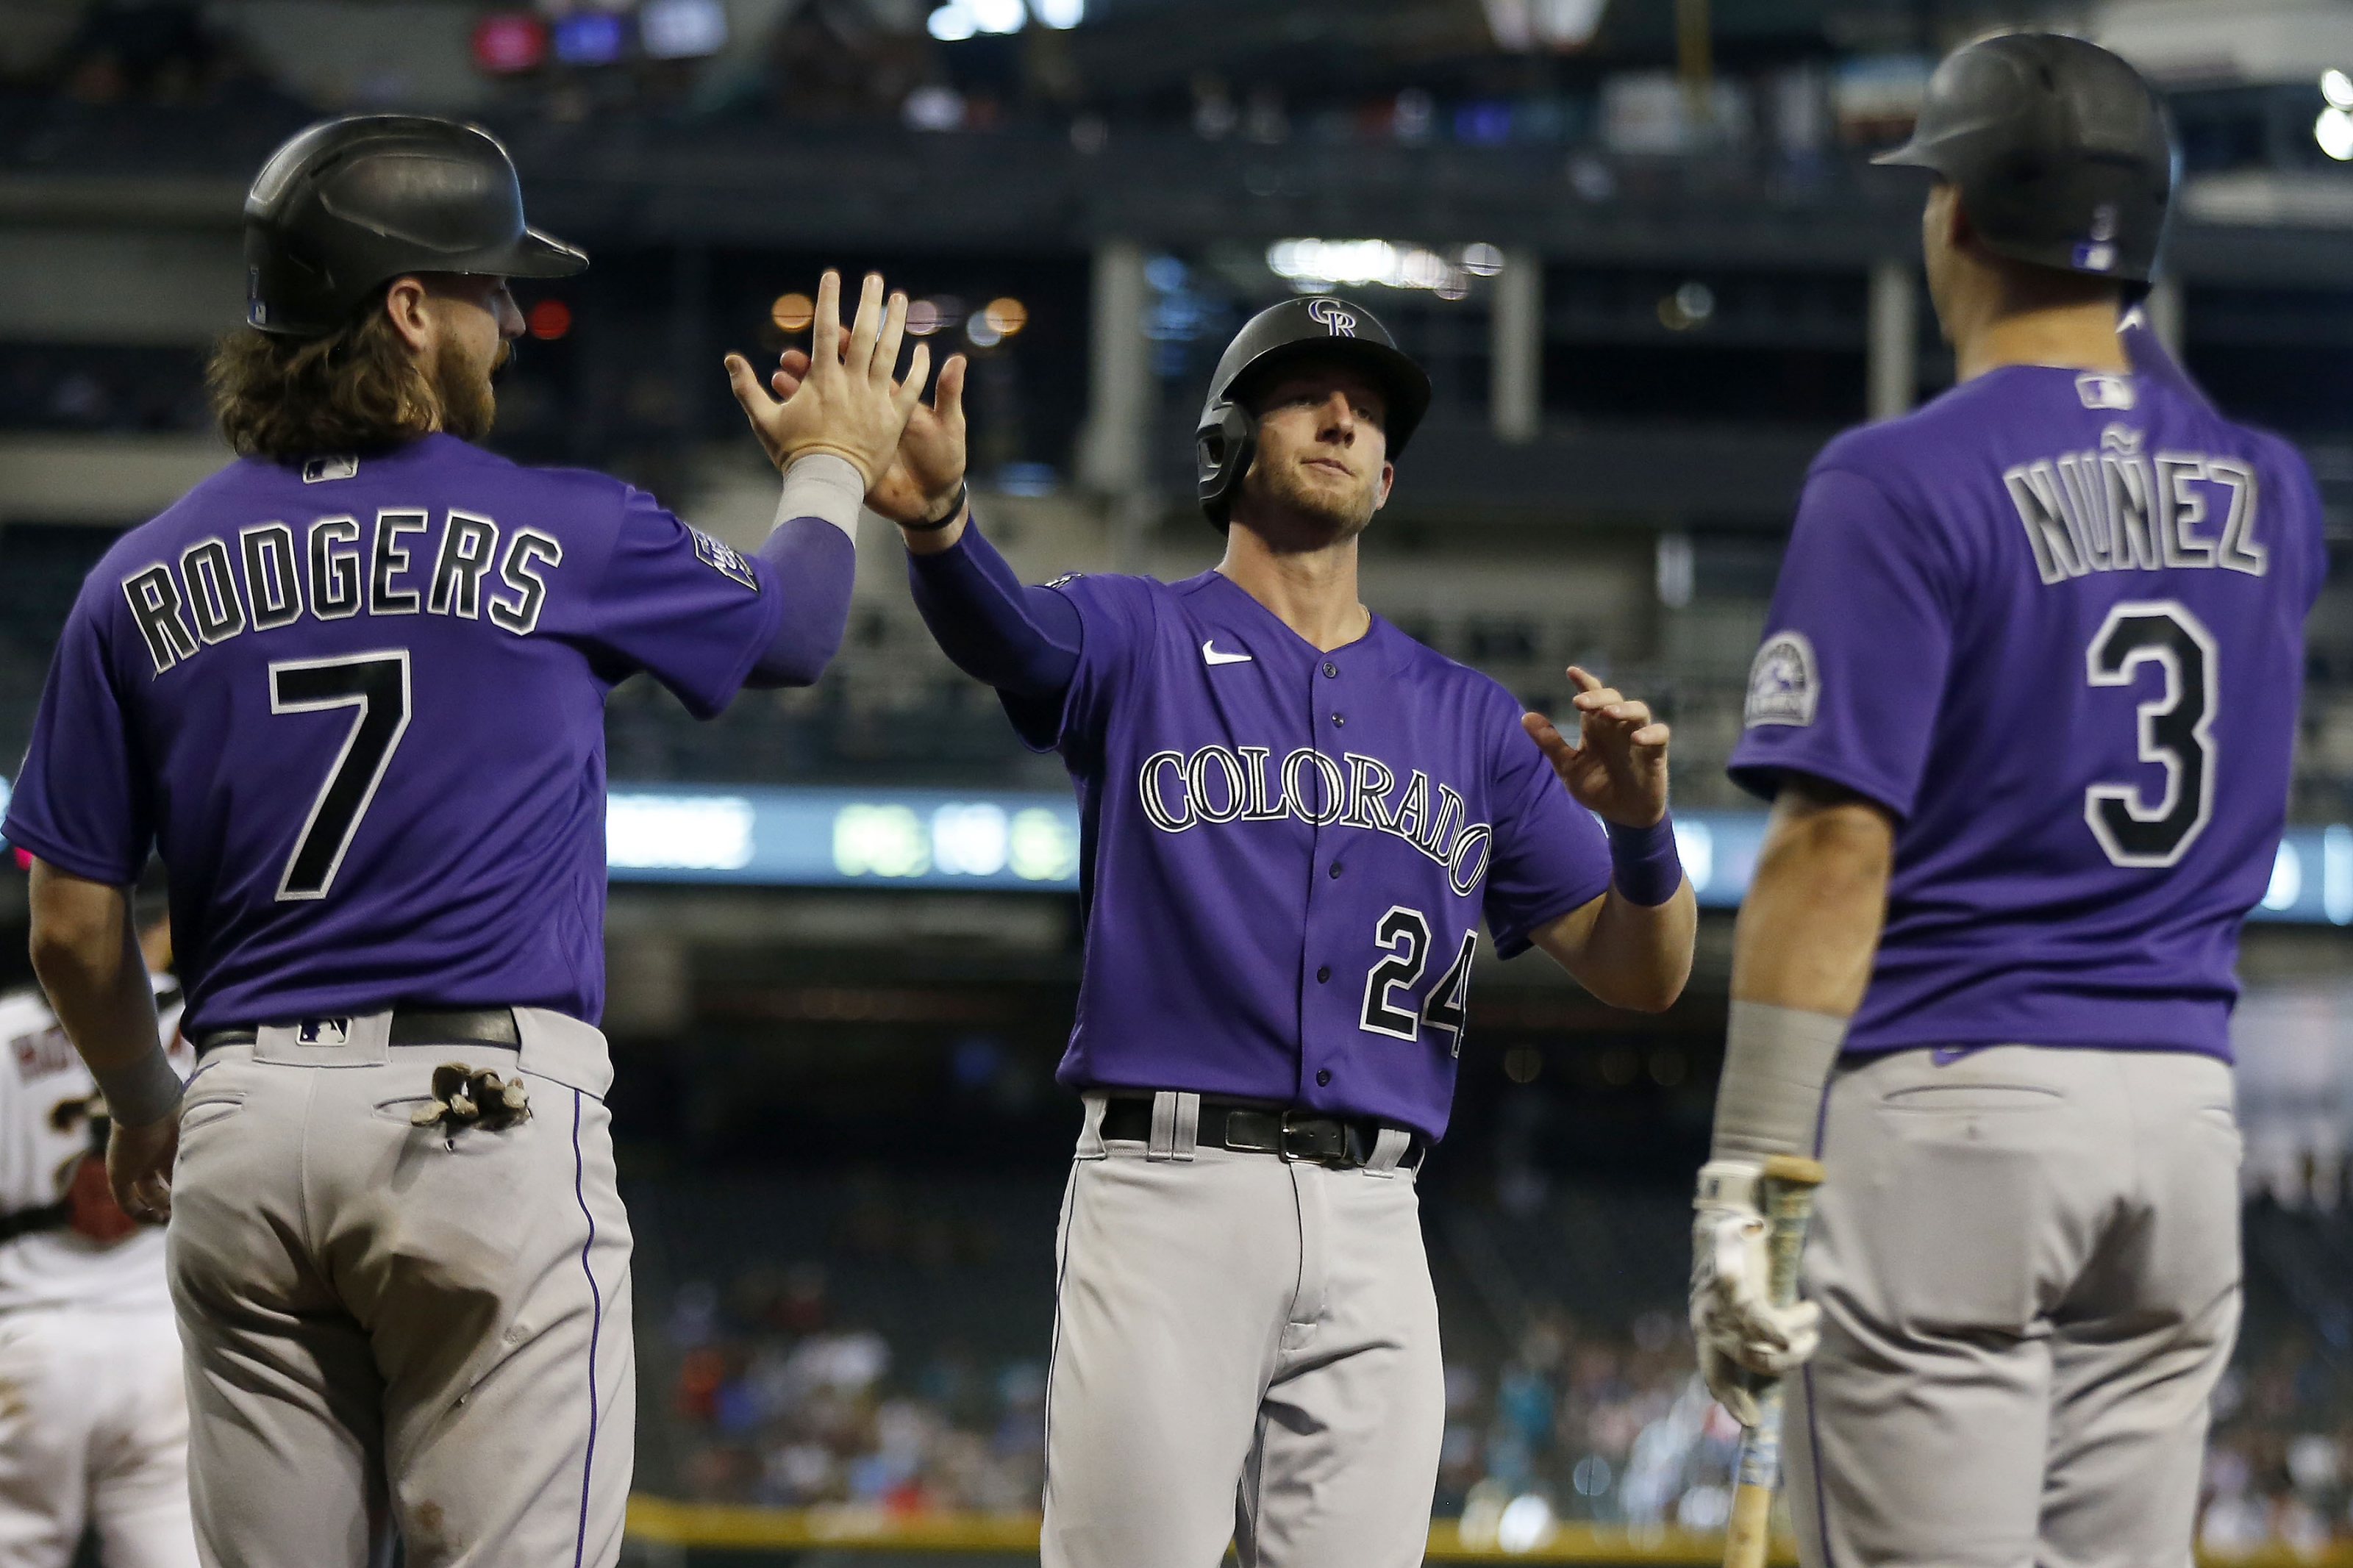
(962, 495)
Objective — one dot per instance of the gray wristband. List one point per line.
(146, 1091)
(826, 485)
(1776, 1060)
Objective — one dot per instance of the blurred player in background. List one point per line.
(2025, 707)
(1295, 819)
(93, 1404)
(352, 689)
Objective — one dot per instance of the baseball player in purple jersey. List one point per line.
(1295, 820)
(2025, 707)
(352, 689)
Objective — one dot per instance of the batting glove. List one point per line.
(1744, 1340)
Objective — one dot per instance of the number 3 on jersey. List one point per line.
(378, 685)
(2175, 732)
(1404, 935)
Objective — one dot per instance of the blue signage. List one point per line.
(800, 837)
(804, 836)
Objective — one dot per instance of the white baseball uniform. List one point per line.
(94, 1404)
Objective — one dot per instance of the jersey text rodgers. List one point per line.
(265, 581)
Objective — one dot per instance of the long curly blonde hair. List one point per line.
(291, 399)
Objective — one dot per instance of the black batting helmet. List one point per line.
(349, 204)
(2062, 152)
(1319, 327)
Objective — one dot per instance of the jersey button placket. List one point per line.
(1325, 931)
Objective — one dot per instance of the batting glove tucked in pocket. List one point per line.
(1744, 1340)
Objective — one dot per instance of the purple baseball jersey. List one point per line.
(2053, 621)
(359, 709)
(1285, 853)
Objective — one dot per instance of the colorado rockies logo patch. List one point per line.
(1336, 317)
(723, 559)
(1782, 684)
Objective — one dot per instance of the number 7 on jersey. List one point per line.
(378, 685)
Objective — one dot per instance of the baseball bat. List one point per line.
(1788, 1202)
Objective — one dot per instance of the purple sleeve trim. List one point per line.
(1515, 938)
(1024, 641)
(1643, 864)
(816, 563)
(37, 842)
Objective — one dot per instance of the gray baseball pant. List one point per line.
(2027, 1265)
(1244, 1347)
(390, 1326)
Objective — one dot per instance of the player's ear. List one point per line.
(405, 304)
(1388, 478)
(1959, 233)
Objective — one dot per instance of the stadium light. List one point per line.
(952, 23)
(1008, 316)
(2334, 131)
(2337, 88)
(793, 312)
(1310, 264)
(998, 15)
(1058, 14)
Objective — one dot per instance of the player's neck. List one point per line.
(2076, 335)
(1312, 591)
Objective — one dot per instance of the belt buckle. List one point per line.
(1299, 1147)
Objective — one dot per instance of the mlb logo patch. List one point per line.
(2099, 390)
(321, 469)
(722, 558)
(1782, 684)
(322, 1031)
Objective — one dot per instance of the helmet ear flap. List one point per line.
(1222, 449)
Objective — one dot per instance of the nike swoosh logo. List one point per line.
(1210, 654)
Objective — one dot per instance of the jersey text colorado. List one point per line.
(1242, 784)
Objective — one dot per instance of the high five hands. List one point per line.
(923, 475)
(842, 400)
(1618, 767)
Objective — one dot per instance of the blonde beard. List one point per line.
(468, 405)
(1289, 516)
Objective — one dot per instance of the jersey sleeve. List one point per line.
(1550, 855)
(1115, 619)
(81, 802)
(2310, 523)
(1845, 686)
(686, 608)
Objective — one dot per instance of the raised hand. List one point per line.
(1617, 769)
(927, 470)
(845, 402)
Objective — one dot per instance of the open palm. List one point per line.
(1617, 769)
(925, 471)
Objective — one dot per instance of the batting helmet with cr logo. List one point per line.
(1320, 328)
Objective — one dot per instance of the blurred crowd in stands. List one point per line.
(919, 64)
(778, 1402)
(2279, 1465)
(783, 1406)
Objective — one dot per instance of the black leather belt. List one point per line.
(1342, 1143)
(412, 1027)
